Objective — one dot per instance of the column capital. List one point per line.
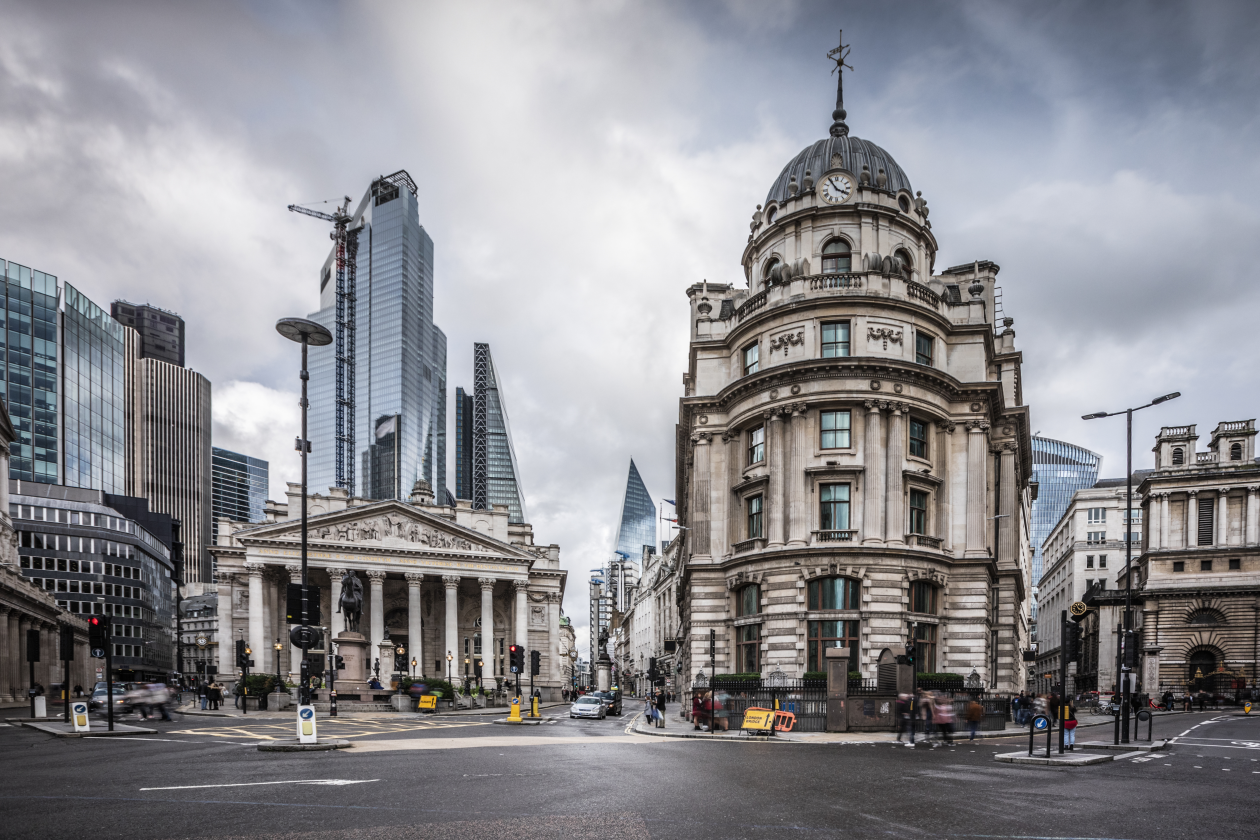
(873, 406)
(1252, 489)
(701, 437)
(255, 569)
(773, 414)
(375, 575)
(414, 578)
(223, 578)
(980, 426)
(554, 597)
(520, 586)
(898, 407)
(335, 572)
(487, 584)
(295, 573)
(946, 426)
(1224, 491)
(1194, 491)
(5, 610)
(799, 409)
(450, 581)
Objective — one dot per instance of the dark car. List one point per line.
(610, 699)
(97, 701)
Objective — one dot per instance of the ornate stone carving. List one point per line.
(872, 406)
(787, 340)
(876, 385)
(295, 573)
(947, 426)
(701, 437)
(255, 569)
(375, 575)
(487, 584)
(393, 526)
(450, 581)
(884, 334)
(897, 387)
(519, 585)
(977, 425)
(414, 577)
(976, 406)
(703, 419)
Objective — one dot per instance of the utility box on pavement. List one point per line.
(837, 689)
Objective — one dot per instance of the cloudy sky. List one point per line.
(581, 164)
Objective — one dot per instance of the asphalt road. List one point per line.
(202, 777)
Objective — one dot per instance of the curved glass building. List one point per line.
(1060, 469)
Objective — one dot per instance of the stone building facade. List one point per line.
(853, 450)
(650, 627)
(436, 580)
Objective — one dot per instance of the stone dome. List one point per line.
(853, 151)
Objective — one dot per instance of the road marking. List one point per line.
(492, 741)
(256, 784)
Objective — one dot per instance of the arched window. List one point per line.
(771, 214)
(923, 597)
(1179, 456)
(1205, 617)
(768, 273)
(1235, 452)
(904, 263)
(837, 257)
(836, 593)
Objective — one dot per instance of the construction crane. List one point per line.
(347, 250)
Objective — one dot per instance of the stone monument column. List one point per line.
(451, 583)
(553, 671)
(6, 665)
(376, 583)
(798, 520)
(873, 492)
(894, 493)
(773, 505)
(225, 636)
(262, 656)
(336, 621)
(1190, 535)
(415, 632)
(977, 431)
(1253, 514)
(522, 613)
(295, 652)
(257, 632)
(1163, 520)
(1222, 517)
(701, 495)
(487, 626)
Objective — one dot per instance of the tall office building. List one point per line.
(397, 383)
(94, 397)
(161, 332)
(238, 487)
(484, 450)
(636, 528)
(1060, 469)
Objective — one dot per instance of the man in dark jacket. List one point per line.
(660, 709)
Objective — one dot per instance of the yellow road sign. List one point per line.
(429, 702)
(758, 719)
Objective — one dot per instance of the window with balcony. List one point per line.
(1096, 516)
(834, 429)
(757, 445)
(918, 511)
(923, 597)
(837, 257)
(1096, 536)
(835, 339)
(833, 634)
(749, 648)
(918, 438)
(754, 517)
(923, 344)
(834, 511)
(834, 593)
(748, 600)
(752, 358)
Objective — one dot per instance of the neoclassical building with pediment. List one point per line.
(436, 580)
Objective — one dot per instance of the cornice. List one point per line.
(854, 211)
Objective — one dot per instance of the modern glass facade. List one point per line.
(502, 474)
(463, 443)
(94, 396)
(30, 386)
(1060, 469)
(636, 529)
(400, 354)
(238, 488)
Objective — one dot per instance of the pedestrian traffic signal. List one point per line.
(535, 663)
(98, 636)
(516, 659)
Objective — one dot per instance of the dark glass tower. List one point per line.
(95, 400)
(30, 371)
(161, 332)
(637, 528)
(238, 488)
(1060, 469)
(463, 444)
(484, 443)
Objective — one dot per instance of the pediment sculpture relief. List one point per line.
(391, 526)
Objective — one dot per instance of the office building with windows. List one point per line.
(1059, 469)
(394, 390)
(853, 453)
(636, 524)
(484, 450)
(238, 488)
(161, 332)
(463, 444)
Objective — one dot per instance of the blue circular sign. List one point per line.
(1041, 722)
(307, 714)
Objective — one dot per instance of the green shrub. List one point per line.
(943, 677)
(433, 686)
(815, 675)
(722, 677)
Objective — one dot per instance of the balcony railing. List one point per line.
(1205, 457)
(748, 545)
(924, 540)
(835, 281)
(923, 294)
(751, 305)
(834, 536)
(1237, 426)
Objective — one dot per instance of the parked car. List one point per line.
(610, 699)
(97, 701)
(588, 706)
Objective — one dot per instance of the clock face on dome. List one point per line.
(835, 189)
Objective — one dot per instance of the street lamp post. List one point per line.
(277, 647)
(413, 667)
(450, 657)
(400, 651)
(306, 333)
(1126, 663)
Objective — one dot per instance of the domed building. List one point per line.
(854, 451)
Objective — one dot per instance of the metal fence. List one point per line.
(722, 706)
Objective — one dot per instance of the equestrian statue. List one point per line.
(351, 603)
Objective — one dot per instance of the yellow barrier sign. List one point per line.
(758, 719)
(1247, 708)
(516, 709)
(428, 702)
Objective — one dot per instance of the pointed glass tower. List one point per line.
(637, 527)
(486, 468)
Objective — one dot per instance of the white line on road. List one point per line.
(256, 784)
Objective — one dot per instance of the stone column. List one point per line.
(1191, 531)
(798, 521)
(701, 495)
(376, 584)
(1007, 531)
(1253, 514)
(487, 626)
(295, 652)
(1163, 521)
(1222, 517)
(336, 621)
(873, 487)
(735, 457)
(977, 431)
(451, 582)
(6, 682)
(263, 655)
(257, 634)
(224, 637)
(945, 431)
(21, 670)
(773, 505)
(895, 493)
(415, 632)
(522, 613)
(553, 670)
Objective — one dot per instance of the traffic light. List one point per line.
(339, 662)
(516, 659)
(535, 663)
(1072, 642)
(910, 651)
(242, 658)
(98, 636)
(67, 643)
(712, 643)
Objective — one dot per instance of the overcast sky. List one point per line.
(581, 164)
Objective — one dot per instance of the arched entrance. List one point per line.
(1200, 667)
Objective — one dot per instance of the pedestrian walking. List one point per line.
(975, 713)
(203, 693)
(903, 718)
(78, 691)
(943, 717)
(1069, 726)
(660, 710)
(925, 712)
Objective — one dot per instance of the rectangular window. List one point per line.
(1096, 537)
(918, 511)
(922, 597)
(1089, 561)
(918, 438)
(1097, 516)
(752, 357)
(1206, 520)
(1205, 565)
(1179, 565)
(835, 427)
(1235, 564)
(1102, 561)
(754, 517)
(834, 513)
(1135, 515)
(749, 601)
(835, 340)
(834, 593)
(925, 648)
(833, 634)
(757, 445)
(749, 653)
(923, 348)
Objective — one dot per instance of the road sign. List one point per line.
(306, 724)
(758, 719)
(1041, 723)
(79, 715)
(303, 633)
(427, 703)
(1247, 708)
(98, 653)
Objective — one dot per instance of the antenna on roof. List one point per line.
(838, 55)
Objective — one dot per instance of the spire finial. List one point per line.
(838, 55)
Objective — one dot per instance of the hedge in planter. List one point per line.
(432, 686)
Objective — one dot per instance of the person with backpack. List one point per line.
(975, 713)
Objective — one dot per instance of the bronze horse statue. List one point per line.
(351, 602)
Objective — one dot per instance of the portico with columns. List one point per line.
(439, 582)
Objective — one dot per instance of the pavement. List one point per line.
(450, 775)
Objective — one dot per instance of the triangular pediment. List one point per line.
(387, 525)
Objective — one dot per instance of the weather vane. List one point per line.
(838, 55)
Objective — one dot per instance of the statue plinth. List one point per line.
(354, 650)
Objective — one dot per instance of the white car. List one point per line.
(588, 706)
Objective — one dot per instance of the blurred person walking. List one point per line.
(1069, 726)
(975, 713)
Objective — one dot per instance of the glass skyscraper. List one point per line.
(238, 488)
(1060, 469)
(463, 444)
(400, 354)
(496, 477)
(94, 397)
(30, 384)
(637, 527)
